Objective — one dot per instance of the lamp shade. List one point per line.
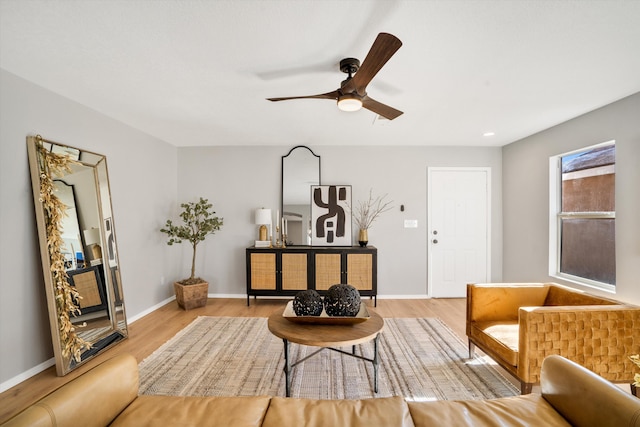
(92, 236)
(263, 216)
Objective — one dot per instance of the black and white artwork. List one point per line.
(111, 246)
(330, 215)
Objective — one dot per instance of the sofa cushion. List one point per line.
(288, 412)
(499, 337)
(193, 411)
(529, 410)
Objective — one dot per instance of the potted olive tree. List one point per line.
(199, 221)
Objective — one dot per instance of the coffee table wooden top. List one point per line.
(325, 335)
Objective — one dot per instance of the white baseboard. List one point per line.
(227, 296)
(26, 375)
(150, 310)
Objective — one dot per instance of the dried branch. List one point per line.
(55, 165)
(366, 212)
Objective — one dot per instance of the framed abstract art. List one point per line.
(330, 215)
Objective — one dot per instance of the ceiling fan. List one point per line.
(352, 94)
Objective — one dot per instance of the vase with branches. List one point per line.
(366, 212)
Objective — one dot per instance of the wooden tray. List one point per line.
(324, 318)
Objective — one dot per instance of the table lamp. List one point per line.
(263, 218)
(92, 240)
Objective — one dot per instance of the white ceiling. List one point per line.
(196, 73)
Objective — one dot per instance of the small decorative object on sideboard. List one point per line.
(635, 358)
(365, 212)
(199, 221)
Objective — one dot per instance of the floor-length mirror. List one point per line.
(78, 251)
(300, 170)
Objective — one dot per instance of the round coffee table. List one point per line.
(327, 336)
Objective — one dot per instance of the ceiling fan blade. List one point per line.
(383, 48)
(328, 95)
(380, 108)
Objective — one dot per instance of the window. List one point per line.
(582, 222)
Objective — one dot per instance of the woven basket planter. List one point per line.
(191, 296)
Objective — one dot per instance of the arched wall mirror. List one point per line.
(78, 251)
(300, 170)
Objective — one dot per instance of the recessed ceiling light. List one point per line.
(488, 134)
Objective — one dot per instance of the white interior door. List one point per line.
(459, 229)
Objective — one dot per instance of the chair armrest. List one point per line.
(501, 301)
(598, 337)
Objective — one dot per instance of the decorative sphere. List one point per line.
(342, 300)
(307, 303)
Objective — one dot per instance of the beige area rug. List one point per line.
(420, 359)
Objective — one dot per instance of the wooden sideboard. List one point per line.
(287, 271)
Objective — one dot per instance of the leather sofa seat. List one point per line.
(153, 411)
(287, 412)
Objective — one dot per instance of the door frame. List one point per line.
(430, 170)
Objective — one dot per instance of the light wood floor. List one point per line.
(153, 330)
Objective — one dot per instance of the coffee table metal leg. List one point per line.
(376, 363)
(287, 368)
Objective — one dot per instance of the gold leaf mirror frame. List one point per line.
(81, 268)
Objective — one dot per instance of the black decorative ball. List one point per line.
(342, 300)
(307, 303)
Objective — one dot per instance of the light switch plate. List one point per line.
(410, 223)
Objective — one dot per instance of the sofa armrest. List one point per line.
(598, 337)
(501, 301)
(93, 399)
(585, 399)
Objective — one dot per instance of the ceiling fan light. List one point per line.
(349, 103)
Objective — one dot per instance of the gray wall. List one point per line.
(143, 175)
(237, 180)
(526, 194)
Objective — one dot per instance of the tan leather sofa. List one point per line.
(107, 395)
(520, 324)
